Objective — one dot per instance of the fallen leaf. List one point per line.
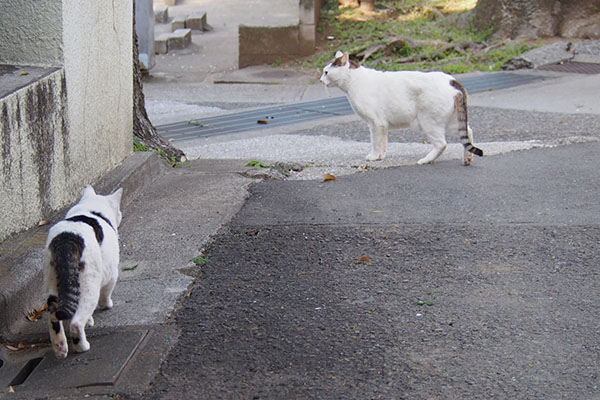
(21, 345)
(328, 177)
(129, 268)
(197, 123)
(24, 73)
(34, 314)
(364, 259)
(43, 222)
(12, 348)
(262, 121)
(10, 389)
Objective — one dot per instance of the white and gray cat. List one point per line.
(82, 267)
(432, 102)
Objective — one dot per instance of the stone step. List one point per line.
(177, 40)
(161, 14)
(195, 22)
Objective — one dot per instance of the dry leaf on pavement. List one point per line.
(34, 314)
(328, 177)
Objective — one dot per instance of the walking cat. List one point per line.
(432, 102)
(82, 254)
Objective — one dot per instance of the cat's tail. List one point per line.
(66, 249)
(460, 105)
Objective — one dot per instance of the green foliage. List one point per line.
(258, 164)
(433, 22)
(199, 260)
(138, 146)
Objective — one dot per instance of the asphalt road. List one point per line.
(424, 282)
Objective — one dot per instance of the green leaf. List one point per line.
(200, 260)
(259, 164)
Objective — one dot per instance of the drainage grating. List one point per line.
(308, 111)
(573, 67)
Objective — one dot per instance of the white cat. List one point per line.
(82, 266)
(432, 102)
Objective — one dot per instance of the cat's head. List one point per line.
(337, 71)
(109, 204)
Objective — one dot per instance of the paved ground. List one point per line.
(476, 283)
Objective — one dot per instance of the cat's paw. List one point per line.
(424, 160)
(82, 346)
(375, 157)
(61, 349)
(106, 304)
(90, 322)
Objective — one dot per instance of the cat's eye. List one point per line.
(326, 72)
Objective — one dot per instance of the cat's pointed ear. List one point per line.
(88, 190)
(116, 196)
(339, 54)
(345, 59)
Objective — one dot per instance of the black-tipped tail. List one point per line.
(475, 150)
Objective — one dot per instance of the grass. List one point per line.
(172, 161)
(199, 260)
(434, 24)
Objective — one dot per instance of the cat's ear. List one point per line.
(345, 59)
(339, 54)
(88, 190)
(116, 196)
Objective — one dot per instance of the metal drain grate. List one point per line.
(308, 111)
(573, 67)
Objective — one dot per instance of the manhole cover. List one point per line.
(101, 366)
(573, 68)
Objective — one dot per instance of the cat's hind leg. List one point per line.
(379, 140)
(439, 145)
(88, 300)
(56, 329)
(468, 156)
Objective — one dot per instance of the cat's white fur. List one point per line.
(100, 270)
(424, 101)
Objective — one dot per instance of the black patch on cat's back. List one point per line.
(100, 215)
(91, 222)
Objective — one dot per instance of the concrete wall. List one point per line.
(70, 127)
(37, 37)
(35, 165)
(265, 45)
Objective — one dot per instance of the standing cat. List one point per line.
(82, 266)
(432, 102)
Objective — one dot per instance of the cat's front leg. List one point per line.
(105, 301)
(379, 139)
